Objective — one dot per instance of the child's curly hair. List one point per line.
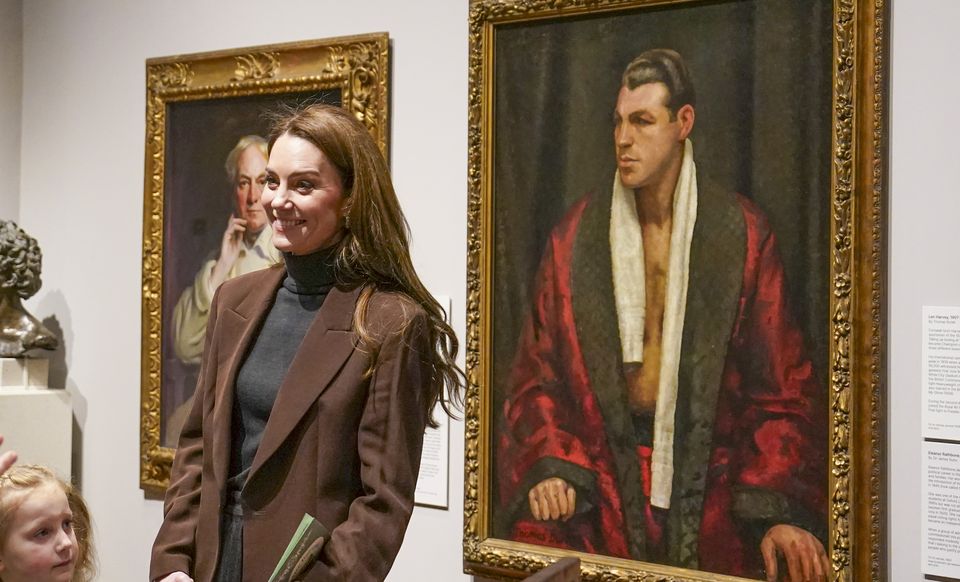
(29, 477)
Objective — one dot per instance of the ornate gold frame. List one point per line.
(857, 303)
(356, 65)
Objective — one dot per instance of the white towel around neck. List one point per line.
(626, 247)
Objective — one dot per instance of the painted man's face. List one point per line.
(251, 174)
(648, 141)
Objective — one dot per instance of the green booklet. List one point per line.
(302, 551)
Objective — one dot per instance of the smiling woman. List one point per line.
(318, 376)
(303, 198)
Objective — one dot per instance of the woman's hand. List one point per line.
(176, 577)
(552, 498)
(806, 559)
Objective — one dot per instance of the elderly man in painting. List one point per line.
(245, 247)
(661, 406)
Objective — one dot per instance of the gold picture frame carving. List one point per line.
(356, 68)
(855, 298)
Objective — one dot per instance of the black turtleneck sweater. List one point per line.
(309, 279)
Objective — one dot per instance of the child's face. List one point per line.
(40, 545)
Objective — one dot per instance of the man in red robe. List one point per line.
(690, 431)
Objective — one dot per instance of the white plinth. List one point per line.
(38, 424)
(24, 373)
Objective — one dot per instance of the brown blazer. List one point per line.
(341, 445)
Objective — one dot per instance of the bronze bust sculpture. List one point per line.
(19, 279)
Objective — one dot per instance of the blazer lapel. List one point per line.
(717, 257)
(237, 326)
(328, 343)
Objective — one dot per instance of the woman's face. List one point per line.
(40, 545)
(303, 197)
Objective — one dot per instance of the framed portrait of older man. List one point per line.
(208, 124)
(675, 289)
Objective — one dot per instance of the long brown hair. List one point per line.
(26, 478)
(375, 250)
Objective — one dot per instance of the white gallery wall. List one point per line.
(81, 184)
(11, 87)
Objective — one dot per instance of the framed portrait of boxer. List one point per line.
(207, 131)
(675, 288)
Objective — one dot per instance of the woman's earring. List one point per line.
(346, 221)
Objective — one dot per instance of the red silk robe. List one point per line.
(749, 449)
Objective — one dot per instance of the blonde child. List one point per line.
(45, 533)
